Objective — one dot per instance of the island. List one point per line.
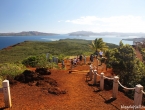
(28, 33)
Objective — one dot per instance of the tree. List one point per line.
(125, 64)
(121, 43)
(98, 45)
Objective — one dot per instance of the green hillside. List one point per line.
(68, 47)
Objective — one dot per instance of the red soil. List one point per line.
(79, 95)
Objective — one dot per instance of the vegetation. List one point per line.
(33, 53)
(121, 58)
(67, 47)
(98, 45)
(141, 48)
(124, 63)
(39, 61)
(10, 69)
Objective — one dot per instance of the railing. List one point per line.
(6, 91)
(138, 88)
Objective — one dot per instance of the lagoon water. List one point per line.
(6, 41)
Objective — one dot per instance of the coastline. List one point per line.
(6, 41)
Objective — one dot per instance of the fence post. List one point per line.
(115, 86)
(95, 77)
(90, 73)
(138, 95)
(7, 95)
(102, 81)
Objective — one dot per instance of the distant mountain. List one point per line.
(82, 33)
(117, 34)
(29, 33)
(135, 39)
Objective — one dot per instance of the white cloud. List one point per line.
(60, 21)
(111, 24)
(88, 20)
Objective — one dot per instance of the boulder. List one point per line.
(20, 78)
(43, 71)
(28, 76)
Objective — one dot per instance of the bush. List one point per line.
(30, 61)
(61, 57)
(38, 61)
(10, 69)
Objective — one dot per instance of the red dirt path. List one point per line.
(79, 96)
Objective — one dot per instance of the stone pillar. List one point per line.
(115, 86)
(102, 81)
(53, 59)
(56, 60)
(47, 56)
(6, 92)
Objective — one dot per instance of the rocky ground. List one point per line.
(76, 93)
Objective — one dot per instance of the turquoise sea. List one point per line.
(6, 41)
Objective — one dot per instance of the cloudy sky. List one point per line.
(64, 16)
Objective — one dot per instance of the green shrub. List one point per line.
(30, 61)
(61, 57)
(10, 69)
(38, 61)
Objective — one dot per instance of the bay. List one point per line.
(6, 41)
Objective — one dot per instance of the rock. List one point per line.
(20, 78)
(32, 83)
(11, 80)
(28, 76)
(51, 81)
(43, 71)
(56, 91)
(42, 83)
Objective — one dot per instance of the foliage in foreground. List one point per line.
(125, 64)
(11, 70)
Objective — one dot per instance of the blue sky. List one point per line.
(64, 16)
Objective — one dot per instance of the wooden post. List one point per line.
(102, 81)
(138, 95)
(6, 91)
(95, 77)
(90, 73)
(115, 86)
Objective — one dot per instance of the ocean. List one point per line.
(6, 41)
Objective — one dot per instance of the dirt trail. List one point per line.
(79, 96)
(138, 54)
